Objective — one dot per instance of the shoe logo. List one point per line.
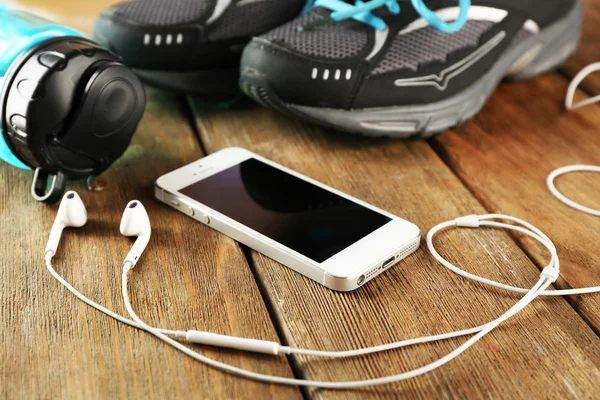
(220, 8)
(441, 81)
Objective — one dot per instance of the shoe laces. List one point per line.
(361, 11)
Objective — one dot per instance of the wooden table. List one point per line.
(54, 346)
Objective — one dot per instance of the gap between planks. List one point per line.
(564, 74)
(443, 155)
(275, 321)
(269, 302)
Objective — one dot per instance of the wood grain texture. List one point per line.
(190, 277)
(80, 15)
(589, 48)
(504, 157)
(56, 347)
(546, 352)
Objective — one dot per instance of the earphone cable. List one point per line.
(483, 220)
(374, 349)
(92, 303)
(541, 285)
(548, 275)
(565, 170)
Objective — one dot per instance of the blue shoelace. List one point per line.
(361, 11)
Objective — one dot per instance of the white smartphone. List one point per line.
(320, 232)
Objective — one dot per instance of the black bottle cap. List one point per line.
(70, 107)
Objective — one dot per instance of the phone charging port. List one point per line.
(387, 263)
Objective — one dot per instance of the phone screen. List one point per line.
(306, 218)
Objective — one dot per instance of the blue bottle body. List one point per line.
(19, 32)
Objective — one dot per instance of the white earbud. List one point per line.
(135, 222)
(71, 213)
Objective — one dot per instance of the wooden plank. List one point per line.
(589, 49)
(80, 15)
(504, 157)
(190, 277)
(548, 351)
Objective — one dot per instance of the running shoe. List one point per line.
(400, 69)
(190, 46)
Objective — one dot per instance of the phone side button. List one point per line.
(175, 203)
(204, 219)
(191, 211)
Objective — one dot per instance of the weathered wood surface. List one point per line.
(506, 153)
(504, 157)
(417, 296)
(589, 48)
(192, 277)
(80, 15)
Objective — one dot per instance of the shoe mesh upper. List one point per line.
(425, 45)
(165, 12)
(249, 18)
(332, 41)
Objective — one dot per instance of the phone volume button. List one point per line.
(191, 211)
(204, 218)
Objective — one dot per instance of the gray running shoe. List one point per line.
(191, 46)
(390, 68)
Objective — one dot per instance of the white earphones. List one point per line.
(71, 214)
(584, 73)
(565, 170)
(135, 222)
(575, 168)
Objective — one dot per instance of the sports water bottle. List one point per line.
(68, 107)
